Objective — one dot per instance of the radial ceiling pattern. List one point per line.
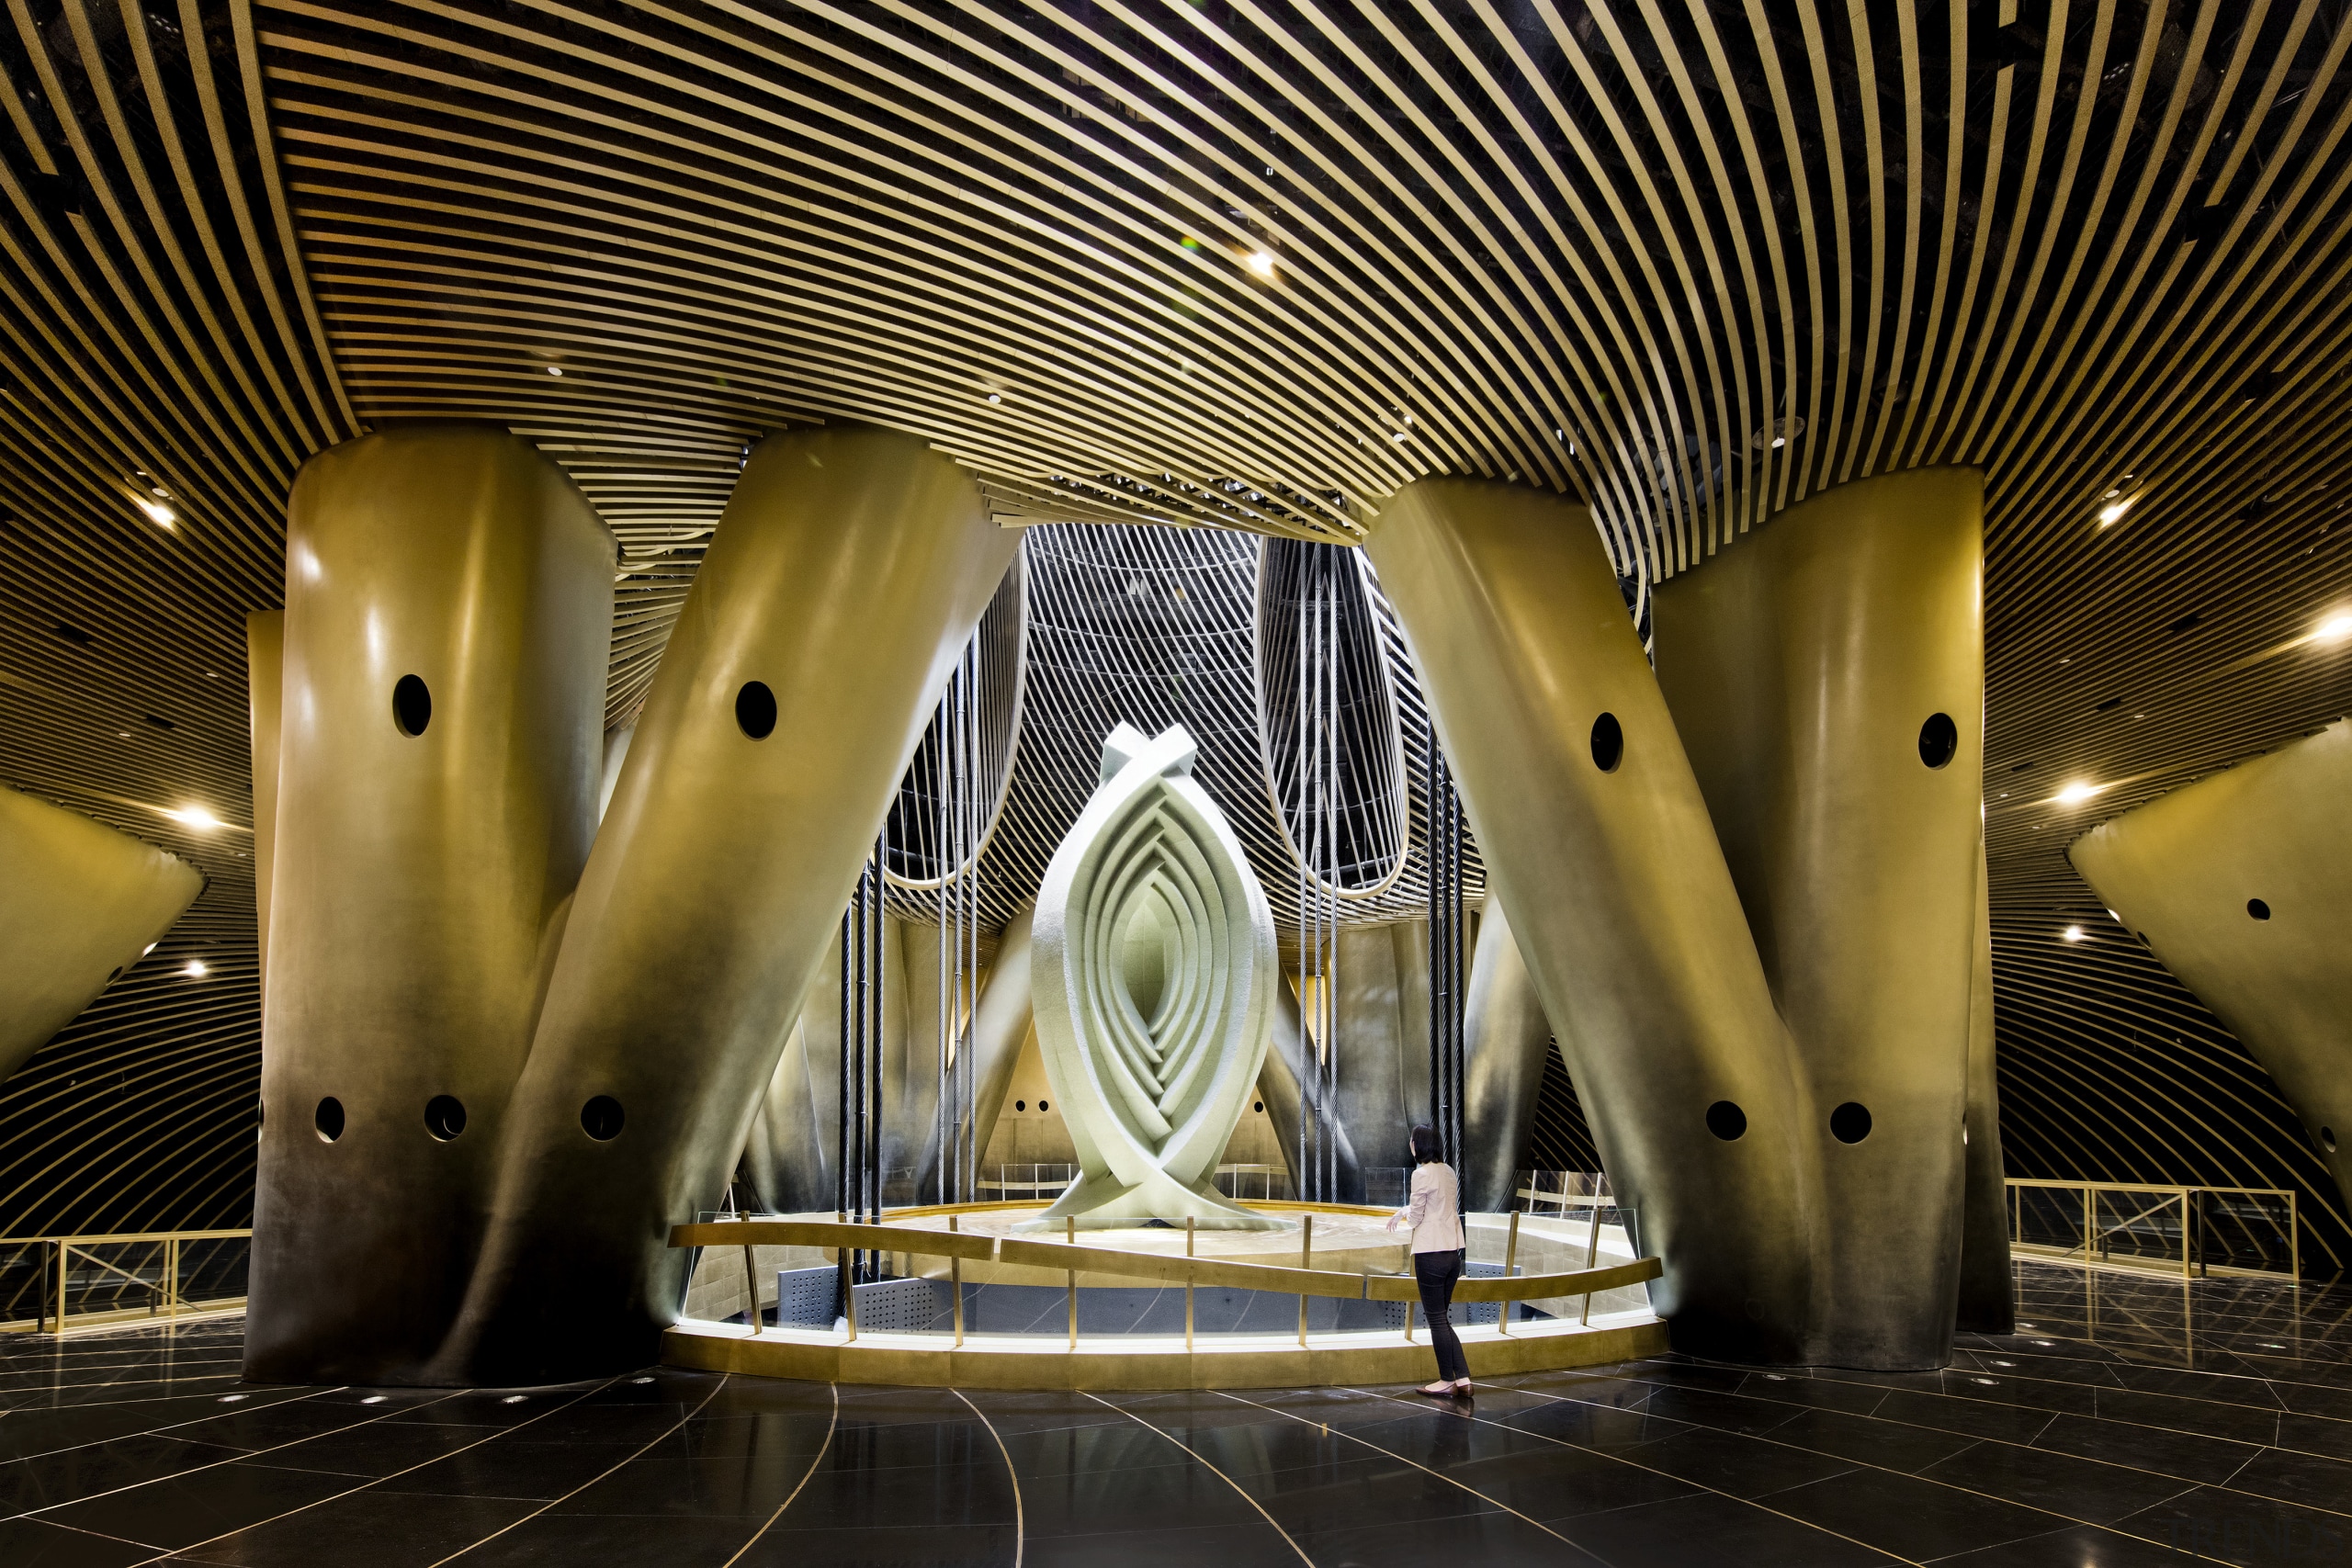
(1235, 263)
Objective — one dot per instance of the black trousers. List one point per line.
(1435, 1272)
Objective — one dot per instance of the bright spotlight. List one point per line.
(1260, 262)
(2072, 933)
(195, 969)
(2335, 628)
(158, 513)
(2076, 793)
(196, 816)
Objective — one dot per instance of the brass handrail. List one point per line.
(1216, 1273)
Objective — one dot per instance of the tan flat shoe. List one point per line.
(1438, 1390)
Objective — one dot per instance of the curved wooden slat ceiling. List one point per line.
(1207, 263)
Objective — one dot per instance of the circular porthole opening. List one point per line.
(2327, 1139)
(1258, 1106)
(2257, 909)
(1041, 1105)
(445, 1116)
(755, 710)
(1939, 740)
(601, 1117)
(1608, 743)
(411, 705)
(1726, 1121)
(1850, 1123)
(328, 1119)
(1021, 1105)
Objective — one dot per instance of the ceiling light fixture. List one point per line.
(158, 513)
(2335, 628)
(1260, 262)
(195, 969)
(2072, 933)
(2110, 515)
(555, 369)
(2076, 793)
(196, 816)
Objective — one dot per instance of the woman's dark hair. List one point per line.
(1425, 1144)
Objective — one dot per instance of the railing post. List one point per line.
(1070, 1234)
(2089, 1223)
(2185, 1264)
(955, 1279)
(63, 1253)
(1511, 1262)
(1188, 1286)
(1306, 1260)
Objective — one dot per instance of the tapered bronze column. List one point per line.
(448, 614)
(1597, 839)
(1288, 1062)
(847, 575)
(79, 903)
(1827, 676)
(264, 676)
(1506, 1038)
(1987, 1284)
(2241, 886)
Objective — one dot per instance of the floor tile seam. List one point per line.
(100, 1535)
(1239, 1490)
(2053, 1416)
(212, 1415)
(1012, 1477)
(2038, 1535)
(1917, 1475)
(235, 1452)
(256, 1524)
(52, 1386)
(610, 1470)
(1685, 1481)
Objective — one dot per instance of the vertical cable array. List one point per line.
(858, 1179)
(1317, 802)
(1445, 958)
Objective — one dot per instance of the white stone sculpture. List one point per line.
(1152, 959)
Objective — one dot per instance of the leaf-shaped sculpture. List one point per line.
(1152, 958)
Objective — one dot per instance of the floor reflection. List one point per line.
(2127, 1421)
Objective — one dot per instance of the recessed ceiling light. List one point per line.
(2072, 933)
(157, 514)
(2076, 793)
(1260, 262)
(994, 398)
(2335, 628)
(195, 970)
(555, 369)
(2111, 495)
(195, 816)
(2113, 513)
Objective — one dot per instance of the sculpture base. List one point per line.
(1140, 1362)
(1104, 1202)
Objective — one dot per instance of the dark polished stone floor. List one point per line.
(2132, 1423)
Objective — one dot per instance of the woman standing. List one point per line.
(1434, 1216)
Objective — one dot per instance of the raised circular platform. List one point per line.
(1354, 1266)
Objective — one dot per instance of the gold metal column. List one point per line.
(849, 569)
(1987, 1284)
(77, 900)
(449, 616)
(2241, 886)
(1506, 1039)
(1597, 839)
(265, 677)
(1827, 676)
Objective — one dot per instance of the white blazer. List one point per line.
(1435, 1212)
